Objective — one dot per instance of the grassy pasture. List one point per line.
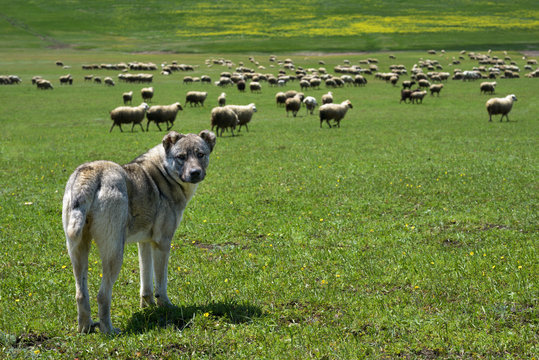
(264, 25)
(409, 232)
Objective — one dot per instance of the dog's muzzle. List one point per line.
(193, 176)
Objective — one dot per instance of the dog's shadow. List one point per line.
(181, 317)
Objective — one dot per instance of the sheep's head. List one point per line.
(145, 106)
(348, 103)
(253, 107)
(513, 97)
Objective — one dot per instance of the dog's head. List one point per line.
(188, 156)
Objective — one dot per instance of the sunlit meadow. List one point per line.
(410, 232)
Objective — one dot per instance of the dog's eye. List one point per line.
(182, 157)
(200, 155)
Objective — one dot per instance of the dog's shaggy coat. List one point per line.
(143, 202)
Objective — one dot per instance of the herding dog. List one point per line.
(143, 202)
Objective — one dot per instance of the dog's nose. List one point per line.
(195, 174)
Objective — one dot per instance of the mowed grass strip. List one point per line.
(408, 232)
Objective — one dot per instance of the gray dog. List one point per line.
(143, 202)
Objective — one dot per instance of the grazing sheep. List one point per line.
(488, 87)
(108, 81)
(221, 100)
(205, 79)
(241, 85)
(334, 112)
(66, 79)
(128, 97)
(163, 114)
(280, 98)
(407, 84)
(315, 83)
(88, 77)
(44, 84)
(293, 104)
(195, 98)
(423, 83)
(436, 88)
(35, 79)
(417, 96)
(97, 80)
(405, 95)
(393, 80)
(147, 94)
(359, 80)
(127, 115)
(503, 106)
(327, 98)
(304, 84)
(255, 87)
(310, 104)
(244, 113)
(471, 75)
(223, 118)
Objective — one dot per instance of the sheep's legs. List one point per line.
(133, 126)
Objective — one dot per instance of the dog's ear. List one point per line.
(208, 137)
(170, 139)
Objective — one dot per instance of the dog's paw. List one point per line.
(163, 302)
(147, 300)
(109, 330)
(88, 327)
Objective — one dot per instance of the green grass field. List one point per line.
(215, 26)
(410, 232)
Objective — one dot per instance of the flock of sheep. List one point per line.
(228, 117)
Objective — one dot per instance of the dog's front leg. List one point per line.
(146, 274)
(161, 253)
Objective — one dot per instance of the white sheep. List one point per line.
(417, 96)
(310, 104)
(127, 97)
(334, 112)
(147, 94)
(423, 83)
(221, 100)
(108, 81)
(44, 84)
(255, 87)
(195, 98)
(280, 98)
(327, 98)
(163, 114)
(66, 79)
(293, 104)
(244, 114)
(436, 88)
(502, 106)
(127, 114)
(488, 87)
(223, 118)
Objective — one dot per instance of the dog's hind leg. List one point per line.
(111, 262)
(78, 249)
(146, 274)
